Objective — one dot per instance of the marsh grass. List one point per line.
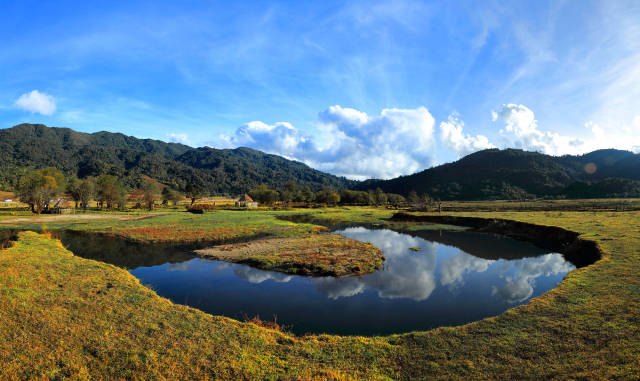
(55, 324)
(316, 254)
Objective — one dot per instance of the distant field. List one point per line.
(68, 317)
(602, 204)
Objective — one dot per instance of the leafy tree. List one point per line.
(328, 196)
(110, 191)
(426, 200)
(86, 191)
(264, 195)
(395, 199)
(380, 197)
(307, 195)
(291, 192)
(72, 187)
(352, 197)
(333, 198)
(170, 195)
(82, 191)
(150, 193)
(38, 187)
(194, 192)
(413, 199)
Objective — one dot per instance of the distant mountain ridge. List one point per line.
(487, 174)
(220, 171)
(515, 174)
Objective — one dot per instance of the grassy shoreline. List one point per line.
(587, 327)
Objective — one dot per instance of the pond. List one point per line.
(429, 279)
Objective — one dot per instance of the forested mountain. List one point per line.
(515, 174)
(488, 174)
(219, 171)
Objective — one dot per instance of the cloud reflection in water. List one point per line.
(406, 274)
(519, 286)
(412, 275)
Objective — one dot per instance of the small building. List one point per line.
(245, 201)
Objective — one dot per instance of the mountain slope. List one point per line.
(488, 174)
(235, 167)
(80, 154)
(513, 174)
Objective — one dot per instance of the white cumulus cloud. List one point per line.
(37, 102)
(452, 137)
(521, 131)
(353, 144)
(281, 138)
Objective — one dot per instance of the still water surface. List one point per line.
(455, 278)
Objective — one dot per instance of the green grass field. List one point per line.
(67, 317)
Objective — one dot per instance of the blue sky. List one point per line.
(362, 89)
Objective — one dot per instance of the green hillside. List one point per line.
(220, 171)
(515, 174)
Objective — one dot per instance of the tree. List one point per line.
(85, 192)
(72, 187)
(328, 196)
(428, 200)
(82, 191)
(307, 195)
(169, 195)
(413, 199)
(380, 197)
(264, 195)
(110, 191)
(150, 193)
(395, 199)
(38, 187)
(333, 198)
(291, 192)
(194, 192)
(354, 197)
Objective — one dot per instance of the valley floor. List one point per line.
(62, 316)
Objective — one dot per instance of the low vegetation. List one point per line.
(224, 226)
(68, 317)
(319, 254)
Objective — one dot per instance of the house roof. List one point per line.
(245, 198)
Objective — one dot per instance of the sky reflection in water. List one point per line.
(416, 290)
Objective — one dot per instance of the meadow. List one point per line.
(68, 317)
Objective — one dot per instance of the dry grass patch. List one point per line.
(320, 254)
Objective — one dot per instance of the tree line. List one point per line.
(45, 189)
(293, 193)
